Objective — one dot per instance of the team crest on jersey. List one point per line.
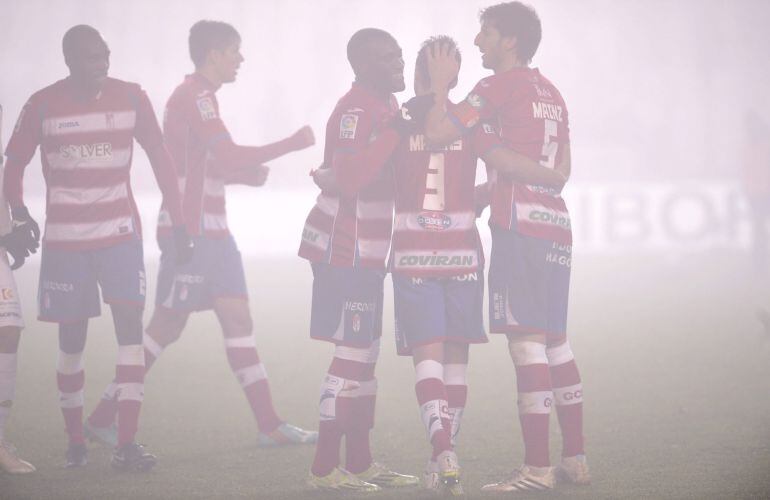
(355, 322)
(348, 124)
(6, 294)
(488, 129)
(475, 100)
(434, 221)
(206, 108)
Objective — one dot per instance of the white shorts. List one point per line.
(10, 307)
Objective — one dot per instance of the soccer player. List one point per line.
(11, 323)
(207, 159)
(437, 264)
(85, 125)
(531, 235)
(346, 238)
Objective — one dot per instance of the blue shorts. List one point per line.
(431, 310)
(70, 280)
(528, 285)
(215, 271)
(347, 305)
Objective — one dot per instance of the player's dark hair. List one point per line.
(518, 20)
(421, 65)
(74, 37)
(210, 35)
(359, 45)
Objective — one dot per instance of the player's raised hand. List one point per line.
(303, 138)
(443, 66)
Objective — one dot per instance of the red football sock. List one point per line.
(129, 378)
(535, 398)
(244, 361)
(432, 398)
(568, 395)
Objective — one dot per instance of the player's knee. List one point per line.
(165, 327)
(128, 323)
(72, 336)
(366, 355)
(9, 338)
(527, 352)
(559, 354)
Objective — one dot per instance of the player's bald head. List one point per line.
(361, 46)
(516, 20)
(77, 39)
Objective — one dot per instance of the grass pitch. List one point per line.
(676, 370)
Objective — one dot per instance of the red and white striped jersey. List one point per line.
(354, 228)
(191, 125)
(86, 148)
(532, 118)
(435, 233)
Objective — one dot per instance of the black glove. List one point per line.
(411, 118)
(18, 244)
(183, 246)
(27, 225)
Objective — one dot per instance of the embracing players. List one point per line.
(85, 126)
(531, 235)
(207, 159)
(346, 238)
(438, 263)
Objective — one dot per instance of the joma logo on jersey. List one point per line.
(547, 110)
(69, 124)
(86, 151)
(436, 260)
(550, 218)
(417, 143)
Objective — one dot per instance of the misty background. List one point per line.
(657, 93)
(664, 297)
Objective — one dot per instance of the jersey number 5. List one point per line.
(549, 146)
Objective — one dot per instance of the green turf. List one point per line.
(676, 370)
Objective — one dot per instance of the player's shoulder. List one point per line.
(191, 89)
(52, 91)
(544, 87)
(122, 87)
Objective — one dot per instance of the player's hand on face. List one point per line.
(303, 138)
(442, 65)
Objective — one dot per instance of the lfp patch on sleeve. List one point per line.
(348, 124)
(206, 108)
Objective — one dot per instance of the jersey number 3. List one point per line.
(434, 183)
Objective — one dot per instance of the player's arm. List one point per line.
(21, 148)
(248, 176)
(150, 137)
(522, 169)
(443, 67)
(357, 160)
